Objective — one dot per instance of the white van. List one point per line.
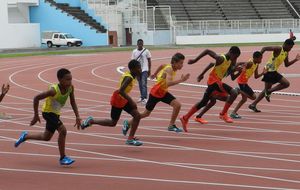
(60, 39)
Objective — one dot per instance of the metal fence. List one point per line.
(159, 18)
(235, 26)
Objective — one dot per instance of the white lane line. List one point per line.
(134, 161)
(173, 165)
(47, 172)
(121, 68)
(207, 150)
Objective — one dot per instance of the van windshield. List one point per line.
(69, 36)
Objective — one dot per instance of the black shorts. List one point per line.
(272, 77)
(246, 89)
(152, 101)
(215, 87)
(52, 121)
(115, 112)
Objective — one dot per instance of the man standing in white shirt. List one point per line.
(143, 55)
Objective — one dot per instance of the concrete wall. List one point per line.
(18, 14)
(158, 37)
(237, 38)
(161, 37)
(28, 36)
(3, 13)
(31, 2)
(17, 35)
(51, 19)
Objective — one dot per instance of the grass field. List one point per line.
(83, 50)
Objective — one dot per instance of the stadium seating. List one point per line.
(296, 4)
(272, 9)
(191, 10)
(79, 14)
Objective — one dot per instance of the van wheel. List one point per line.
(49, 44)
(69, 44)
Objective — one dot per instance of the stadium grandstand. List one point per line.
(122, 22)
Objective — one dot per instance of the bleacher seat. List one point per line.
(190, 10)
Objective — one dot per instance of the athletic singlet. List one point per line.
(219, 71)
(247, 73)
(54, 104)
(160, 88)
(274, 62)
(117, 100)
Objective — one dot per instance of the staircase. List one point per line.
(79, 14)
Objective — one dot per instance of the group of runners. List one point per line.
(221, 66)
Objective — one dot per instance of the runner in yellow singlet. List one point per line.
(220, 70)
(279, 55)
(120, 100)
(56, 97)
(159, 93)
(250, 68)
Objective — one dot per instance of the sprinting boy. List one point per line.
(220, 70)
(234, 72)
(120, 100)
(160, 92)
(249, 68)
(272, 76)
(56, 98)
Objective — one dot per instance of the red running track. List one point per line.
(260, 151)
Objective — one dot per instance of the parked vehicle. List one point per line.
(60, 39)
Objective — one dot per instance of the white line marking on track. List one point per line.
(141, 178)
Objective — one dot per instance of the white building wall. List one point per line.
(115, 22)
(3, 13)
(33, 2)
(21, 35)
(18, 14)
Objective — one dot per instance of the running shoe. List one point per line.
(226, 118)
(87, 122)
(21, 138)
(252, 107)
(144, 101)
(200, 120)
(184, 123)
(235, 116)
(174, 128)
(126, 127)
(134, 142)
(66, 161)
(267, 95)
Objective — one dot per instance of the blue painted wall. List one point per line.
(73, 3)
(84, 6)
(52, 19)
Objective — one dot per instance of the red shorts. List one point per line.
(219, 94)
(117, 100)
